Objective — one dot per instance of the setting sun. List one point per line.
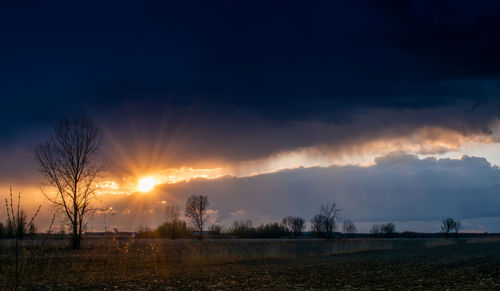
(146, 184)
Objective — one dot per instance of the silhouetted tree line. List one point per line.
(173, 230)
(293, 225)
(165, 230)
(323, 224)
(244, 229)
(215, 229)
(349, 227)
(385, 230)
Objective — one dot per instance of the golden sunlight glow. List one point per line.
(424, 141)
(146, 184)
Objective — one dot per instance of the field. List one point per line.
(127, 264)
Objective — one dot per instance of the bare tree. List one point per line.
(328, 214)
(242, 228)
(215, 229)
(196, 209)
(389, 228)
(172, 215)
(70, 164)
(317, 225)
(376, 229)
(349, 227)
(458, 227)
(448, 225)
(298, 226)
(287, 223)
(294, 225)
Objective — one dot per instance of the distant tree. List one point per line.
(318, 225)
(326, 218)
(2, 230)
(196, 209)
(270, 230)
(294, 225)
(331, 213)
(298, 226)
(287, 223)
(242, 228)
(388, 228)
(349, 227)
(166, 230)
(458, 227)
(144, 229)
(215, 229)
(69, 163)
(172, 218)
(145, 232)
(375, 229)
(448, 225)
(243, 223)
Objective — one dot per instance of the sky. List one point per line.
(389, 108)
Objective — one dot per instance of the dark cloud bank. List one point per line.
(237, 77)
(398, 188)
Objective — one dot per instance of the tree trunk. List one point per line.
(201, 231)
(75, 242)
(75, 238)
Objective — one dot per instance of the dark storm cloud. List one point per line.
(222, 141)
(224, 72)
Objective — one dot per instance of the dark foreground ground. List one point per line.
(456, 267)
(462, 267)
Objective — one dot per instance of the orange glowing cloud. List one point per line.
(426, 141)
(423, 141)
